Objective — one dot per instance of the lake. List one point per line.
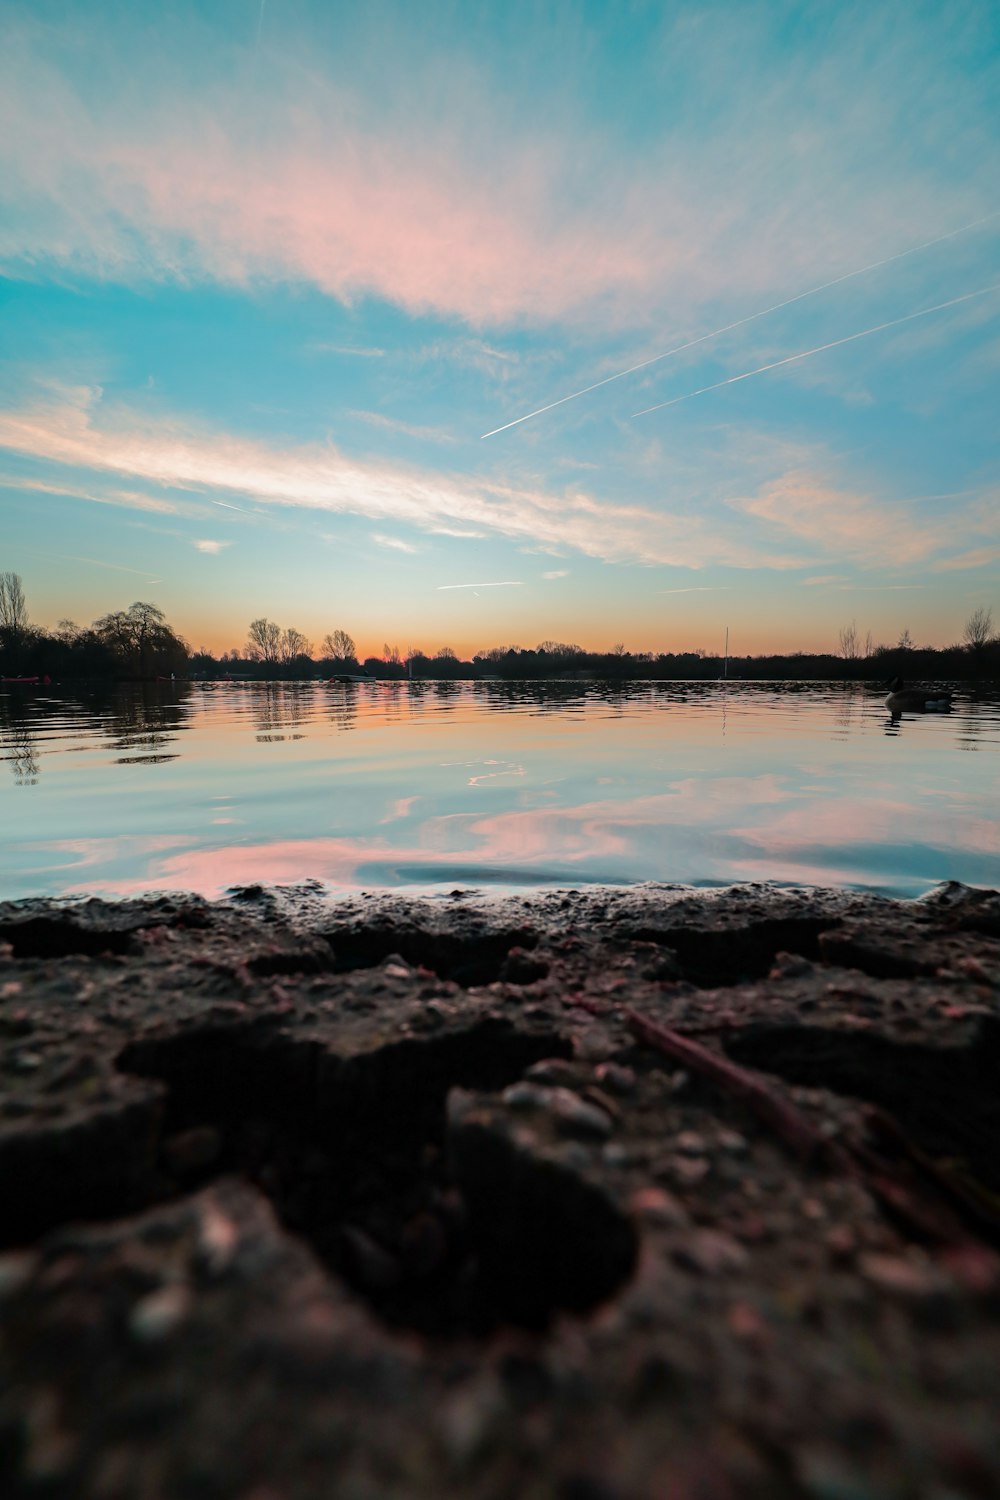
(507, 786)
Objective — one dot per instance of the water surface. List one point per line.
(435, 785)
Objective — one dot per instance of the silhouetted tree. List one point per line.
(264, 641)
(978, 630)
(13, 613)
(339, 646)
(848, 641)
(292, 645)
(141, 641)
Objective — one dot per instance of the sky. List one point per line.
(294, 298)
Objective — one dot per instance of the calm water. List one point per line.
(429, 786)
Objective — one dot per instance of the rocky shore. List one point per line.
(643, 1194)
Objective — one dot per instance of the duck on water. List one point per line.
(916, 700)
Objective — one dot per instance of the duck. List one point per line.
(915, 700)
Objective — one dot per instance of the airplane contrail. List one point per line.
(508, 583)
(789, 359)
(741, 322)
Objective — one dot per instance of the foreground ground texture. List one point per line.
(600, 1196)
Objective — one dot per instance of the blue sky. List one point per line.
(271, 270)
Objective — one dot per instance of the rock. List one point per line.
(484, 1240)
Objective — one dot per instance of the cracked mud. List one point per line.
(604, 1195)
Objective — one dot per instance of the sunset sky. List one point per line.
(271, 270)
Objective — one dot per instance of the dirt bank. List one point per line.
(608, 1195)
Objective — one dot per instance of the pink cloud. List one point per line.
(74, 426)
(295, 189)
(457, 206)
(848, 524)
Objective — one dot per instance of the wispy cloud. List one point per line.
(821, 579)
(77, 427)
(99, 562)
(721, 588)
(556, 573)
(409, 429)
(978, 557)
(395, 543)
(849, 524)
(350, 351)
(203, 544)
(129, 499)
(477, 212)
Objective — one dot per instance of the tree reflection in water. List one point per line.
(18, 740)
(143, 721)
(278, 706)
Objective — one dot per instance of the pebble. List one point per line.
(218, 1240)
(658, 1207)
(901, 1277)
(602, 1100)
(615, 1078)
(554, 1070)
(593, 1045)
(746, 1323)
(572, 1115)
(711, 1252)
(688, 1171)
(159, 1314)
(525, 1096)
(841, 1241)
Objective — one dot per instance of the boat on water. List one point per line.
(350, 677)
(21, 681)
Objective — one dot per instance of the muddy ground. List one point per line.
(594, 1195)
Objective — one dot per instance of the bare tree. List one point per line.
(293, 644)
(850, 649)
(339, 646)
(978, 630)
(618, 649)
(447, 654)
(869, 648)
(905, 642)
(391, 655)
(263, 641)
(13, 609)
(558, 648)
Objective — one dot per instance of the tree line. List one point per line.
(138, 643)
